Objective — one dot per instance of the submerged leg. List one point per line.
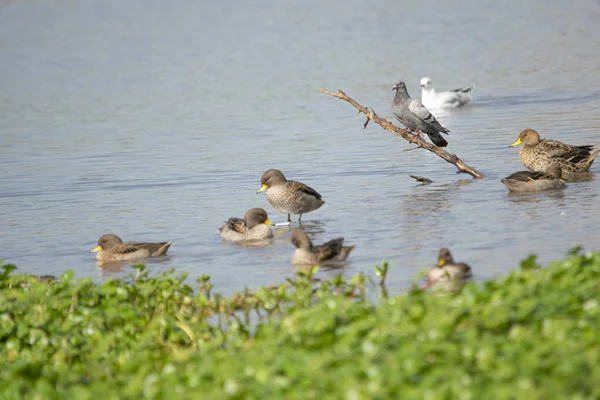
(300, 219)
(289, 218)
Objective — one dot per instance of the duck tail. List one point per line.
(590, 160)
(162, 249)
(344, 252)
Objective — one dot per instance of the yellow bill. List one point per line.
(268, 222)
(441, 262)
(518, 142)
(97, 249)
(262, 188)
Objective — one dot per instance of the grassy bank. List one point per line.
(533, 334)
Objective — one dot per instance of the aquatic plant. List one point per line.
(532, 334)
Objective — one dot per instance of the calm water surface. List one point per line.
(155, 120)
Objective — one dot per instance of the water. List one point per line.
(155, 121)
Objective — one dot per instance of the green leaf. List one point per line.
(530, 263)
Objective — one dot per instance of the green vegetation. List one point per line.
(531, 335)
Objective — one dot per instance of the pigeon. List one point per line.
(414, 116)
(452, 99)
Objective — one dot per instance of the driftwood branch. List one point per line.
(421, 179)
(406, 134)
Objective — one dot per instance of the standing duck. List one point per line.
(539, 154)
(289, 197)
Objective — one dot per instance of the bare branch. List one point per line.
(406, 134)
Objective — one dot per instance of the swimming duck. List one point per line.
(252, 227)
(528, 181)
(306, 253)
(539, 154)
(289, 197)
(111, 248)
(447, 270)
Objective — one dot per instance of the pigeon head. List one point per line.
(426, 83)
(399, 85)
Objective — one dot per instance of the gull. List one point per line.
(452, 99)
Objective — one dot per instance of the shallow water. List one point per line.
(155, 121)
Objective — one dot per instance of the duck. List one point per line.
(307, 253)
(289, 197)
(451, 99)
(447, 270)
(539, 154)
(111, 248)
(254, 226)
(528, 181)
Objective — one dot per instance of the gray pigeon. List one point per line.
(413, 114)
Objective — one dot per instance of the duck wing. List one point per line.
(153, 249)
(126, 248)
(526, 176)
(305, 189)
(556, 149)
(329, 250)
(236, 224)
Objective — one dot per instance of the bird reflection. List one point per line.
(107, 268)
(422, 209)
(329, 267)
(434, 200)
(534, 197)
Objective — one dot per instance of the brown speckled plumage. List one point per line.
(289, 197)
(306, 253)
(111, 248)
(539, 154)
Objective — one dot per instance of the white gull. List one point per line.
(452, 99)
